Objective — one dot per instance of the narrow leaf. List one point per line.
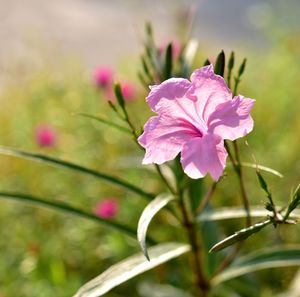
(65, 208)
(146, 69)
(239, 236)
(65, 164)
(262, 259)
(262, 168)
(220, 64)
(227, 213)
(131, 267)
(149, 212)
(293, 203)
(190, 51)
(107, 122)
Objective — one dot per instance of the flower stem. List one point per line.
(236, 162)
(202, 284)
(207, 198)
(240, 174)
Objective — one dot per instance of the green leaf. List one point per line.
(196, 191)
(168, 62)
(262, 259)
(149, 212)
(146, 69)
(293, 203)
(65, 164)
(239, 236)
(190, 51)
(107, 122)
(262, 168)
(262, 182)
(65, 208)
(131, 267)
(228, 213)
(150, 289)
(210, 234)
(220, 64)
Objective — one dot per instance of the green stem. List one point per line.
(240, 174)
(207, 198)
(196, 262)
(164, 179)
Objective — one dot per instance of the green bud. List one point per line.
(220, 63)
(242, 68)
(119, 95)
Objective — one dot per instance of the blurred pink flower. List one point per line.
(128, 91)
(103, 77)
(45, 136)
(176, 47)
(194, 118)
(107, 208)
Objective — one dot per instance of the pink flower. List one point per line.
(107, 208)
(103, 77)
(128, 91)
(194, 117)
(176, 48)
(45, 136)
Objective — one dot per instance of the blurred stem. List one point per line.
(164, 179)
(229, 258)
(207, 198)
(196, 261)
(240, 174)
(157, 167)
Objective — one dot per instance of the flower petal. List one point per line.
(232, 120)
(169, 98)
(163, 138)
(202, 155)
(208, 90)
(173, 88)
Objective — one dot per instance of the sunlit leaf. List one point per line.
(131, 267)
(65, 164)
(240, 235)
(261, 259)
(227, 213)
(65, 208)
(262, 168)
(190, 51)
(149, 212)
(106, 122)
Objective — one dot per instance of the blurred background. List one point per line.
(50, 56)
